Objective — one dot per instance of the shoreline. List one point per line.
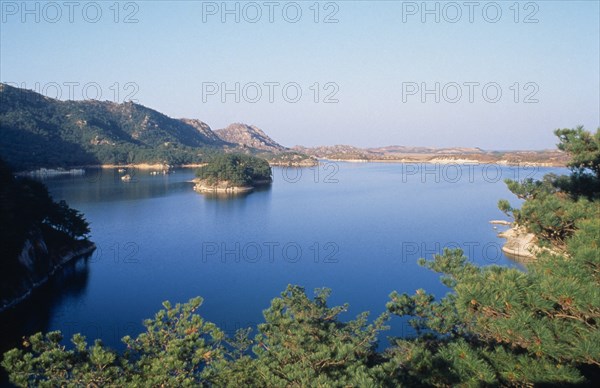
(76, 170)
(448, 161)
(65, 259)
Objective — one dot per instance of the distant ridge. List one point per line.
(435, 155)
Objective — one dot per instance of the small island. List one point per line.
(232, 174)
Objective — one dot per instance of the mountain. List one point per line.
(37, 131)
(249, 136)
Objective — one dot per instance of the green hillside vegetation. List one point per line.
(237, 169)
(43, 132)
(498, 325)
(27, 211)
(36, 131)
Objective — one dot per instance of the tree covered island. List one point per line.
(232, 173)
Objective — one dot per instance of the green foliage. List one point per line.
(69, 221)
(503, 326)
(236, 169)
(301, 343)
(27, 211)
(583, 147)
(555, 204)
(40, 132)
(178, 349)
(304, 343)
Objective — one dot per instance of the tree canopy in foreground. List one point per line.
(498, 326)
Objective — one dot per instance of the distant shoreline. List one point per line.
(447, 161)
(77, 170)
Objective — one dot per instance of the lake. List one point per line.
(357, 228)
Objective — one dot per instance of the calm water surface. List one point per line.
(355, 228)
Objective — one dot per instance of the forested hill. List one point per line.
(37, 131)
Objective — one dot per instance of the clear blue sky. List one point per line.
(370, 53)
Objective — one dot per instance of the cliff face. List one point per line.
(37, 262)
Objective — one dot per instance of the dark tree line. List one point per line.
(27, 211)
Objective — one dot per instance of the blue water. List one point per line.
(355, 228)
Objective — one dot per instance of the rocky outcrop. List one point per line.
(204, 129)
(249, 136)
(226, 187)
(520, 244)
(204, 187)
(37, 263)
(524, 246)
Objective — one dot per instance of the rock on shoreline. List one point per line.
(520, 244)
(224, 187)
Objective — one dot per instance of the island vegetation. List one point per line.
(232, 173)
(498, 325)
(38, 235)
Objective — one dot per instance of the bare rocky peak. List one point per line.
(249, 136)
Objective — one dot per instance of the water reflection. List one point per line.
(106, 185)
(35, 313)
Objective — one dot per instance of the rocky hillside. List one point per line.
(249, 136)
(36, 131)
